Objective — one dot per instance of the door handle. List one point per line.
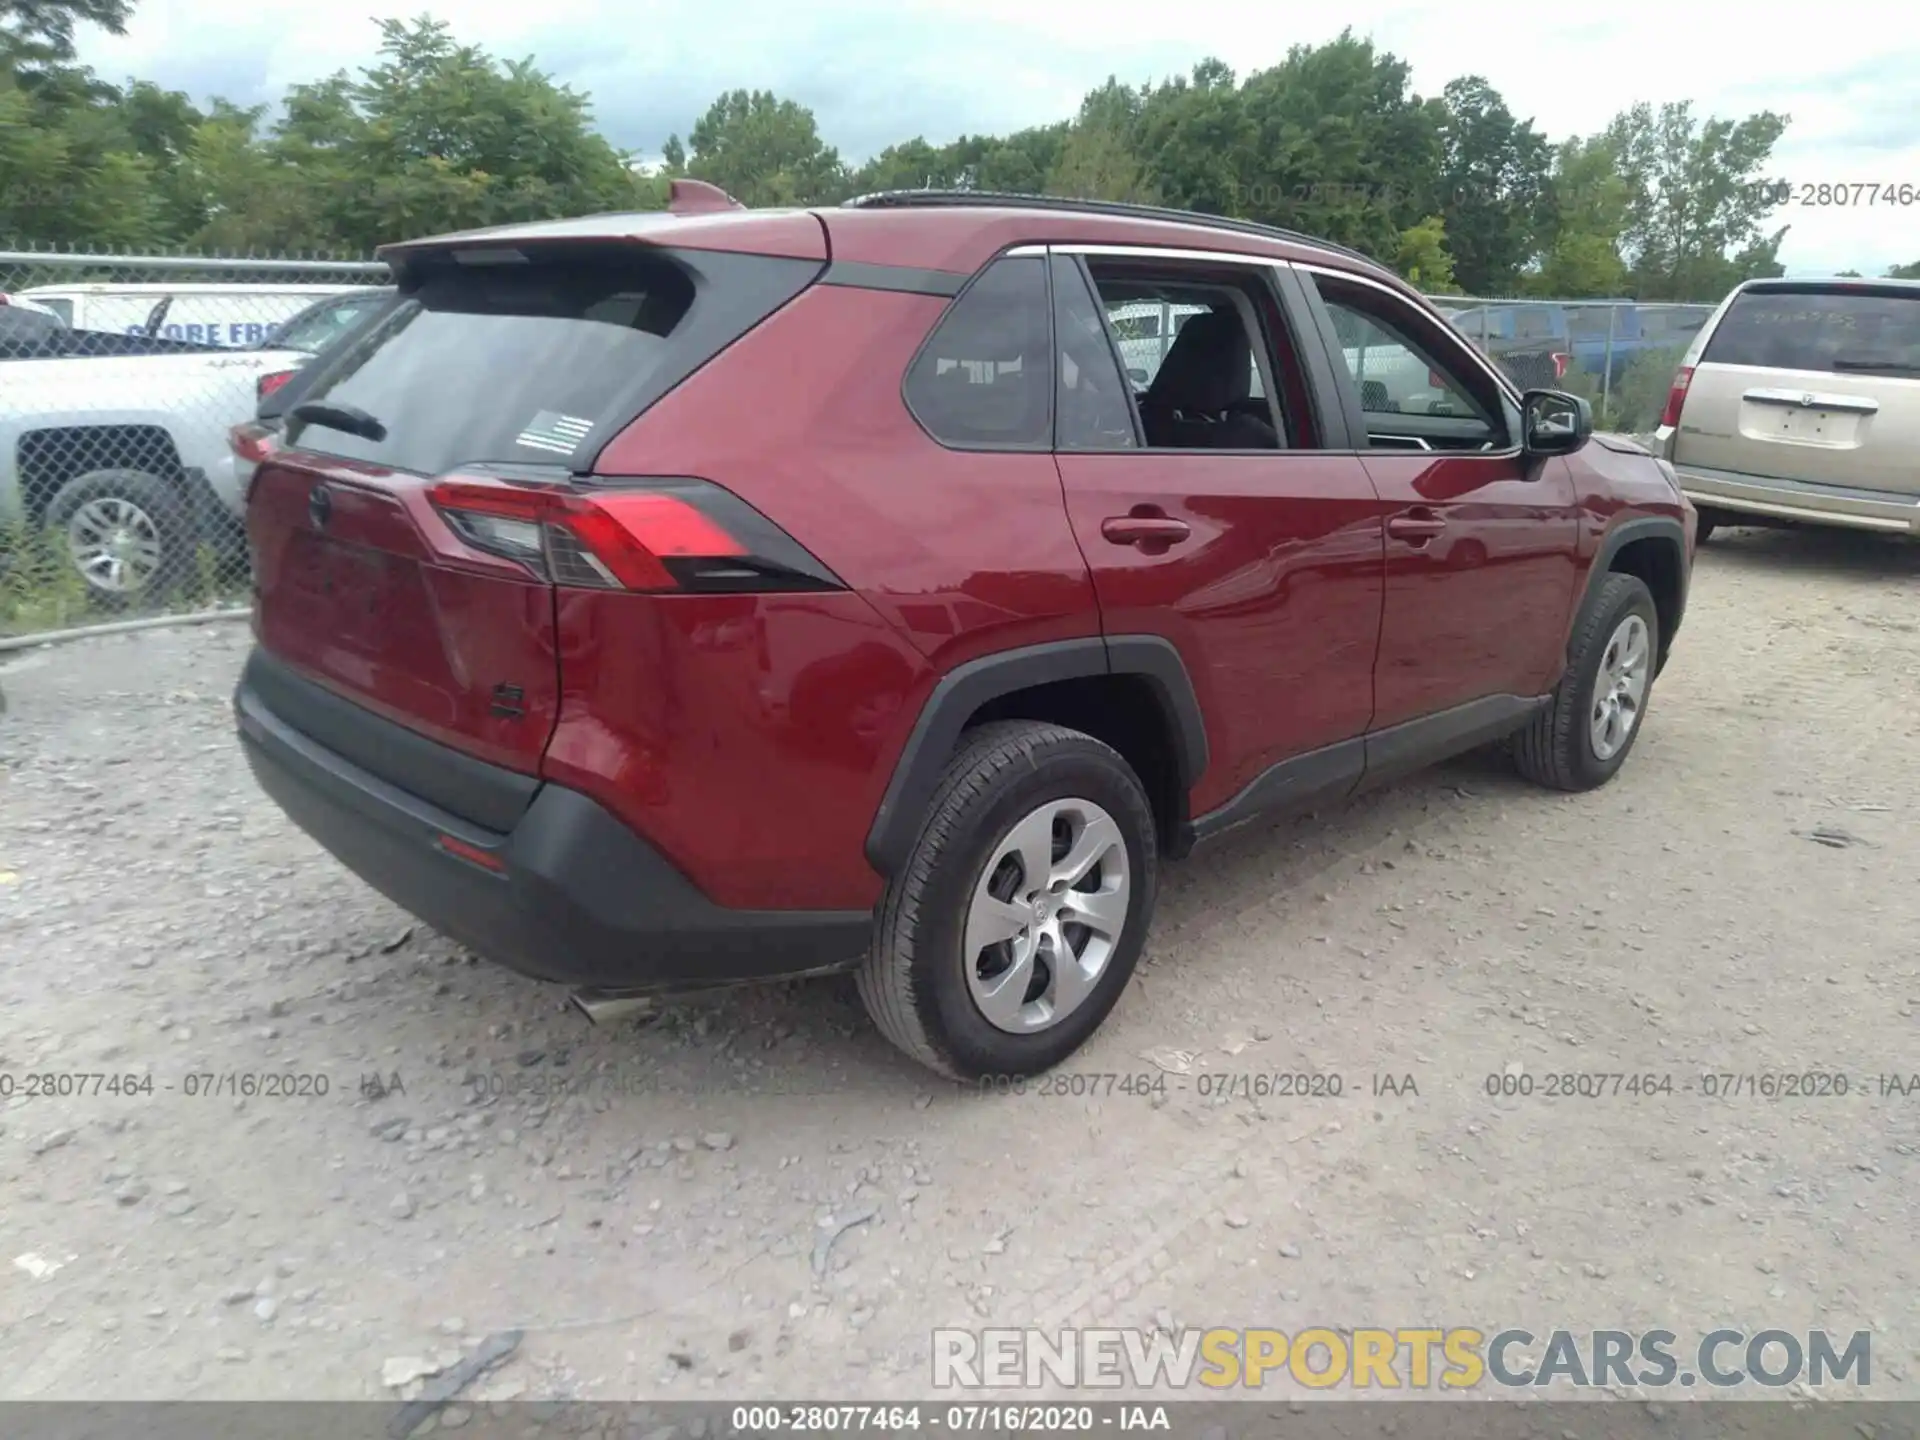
(1416, 527)
(1158, 530)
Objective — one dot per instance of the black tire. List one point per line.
(914, 981)
(1705, 522)
(154, 498)
(1556, 746)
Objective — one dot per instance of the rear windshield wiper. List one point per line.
(1855, 362)
(350, 419)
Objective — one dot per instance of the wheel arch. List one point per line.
(1132, 691)
(50, 456)
(1653, 548)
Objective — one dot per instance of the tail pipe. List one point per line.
(608, 1007)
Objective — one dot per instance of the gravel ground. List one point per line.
(759, 1197)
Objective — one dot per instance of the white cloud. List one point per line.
(876, 72)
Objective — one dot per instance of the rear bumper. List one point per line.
(1800, 500)
(578, 896)
(225, 480)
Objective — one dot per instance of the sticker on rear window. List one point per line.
(552, 431)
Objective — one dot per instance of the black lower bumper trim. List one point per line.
(579, 898)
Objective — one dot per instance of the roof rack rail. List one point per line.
(907, 199)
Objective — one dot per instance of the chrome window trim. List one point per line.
(1163, 252)
(1160, 252)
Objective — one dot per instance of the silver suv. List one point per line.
(1800, 401)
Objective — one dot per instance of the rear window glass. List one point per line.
(983, 381)
(504, 363)
(1596, 322)
(1534, 324)
(1820, 330)
(21, 328)
(312, 329)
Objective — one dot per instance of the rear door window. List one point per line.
(1859, 331)
(524, 362)
(1093, 412)
(983, 380)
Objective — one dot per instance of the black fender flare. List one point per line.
(963, 690)
(1617, 537)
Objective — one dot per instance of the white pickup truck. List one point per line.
(125, 455)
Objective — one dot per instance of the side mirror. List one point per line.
(1554, 422)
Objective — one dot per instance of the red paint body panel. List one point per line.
(748, 737)
(1480, 608)
(1611, 487)
(389, 609)
(1274, 601)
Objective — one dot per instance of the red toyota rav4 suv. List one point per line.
(654, 601)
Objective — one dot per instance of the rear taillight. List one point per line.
(252, 441)
(642, 535)
(1560, 364)
(272, 382)
(1677, 396)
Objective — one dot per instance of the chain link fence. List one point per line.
(121, 377)
(1619, 354)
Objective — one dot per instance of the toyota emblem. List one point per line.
(320, 506)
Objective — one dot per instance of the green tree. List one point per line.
(1195, 140)
(435, 136)
(252, 197)
(910, 165)
(1586, 204)
(1097, 163)
(459, 123)
(1493, 186)
(36, 36)
(1696, 196)
(1096, 159)
(763, 150)
(1422, 256)
(70, 170)
(1905, 272)
(1341, 147)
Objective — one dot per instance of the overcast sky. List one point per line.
(875, 72)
